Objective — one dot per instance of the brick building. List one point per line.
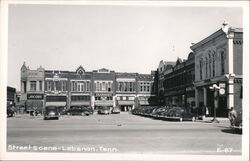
(179, 82)
(103, 87)
(162, 67)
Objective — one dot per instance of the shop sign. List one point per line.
(103, 95)
(35, 96)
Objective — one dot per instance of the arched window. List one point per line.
(206, 68)
(214, 64)
(222, 57)
(201, 61)
(210, 68)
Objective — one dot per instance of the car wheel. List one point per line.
(45, 118)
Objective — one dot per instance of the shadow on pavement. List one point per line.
(230, 131)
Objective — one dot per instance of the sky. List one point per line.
(120, 38)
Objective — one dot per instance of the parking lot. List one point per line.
(120, 133)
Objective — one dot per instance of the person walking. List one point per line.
(232, 114)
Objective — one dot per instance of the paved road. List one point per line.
(120, 133)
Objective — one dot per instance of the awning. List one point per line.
(143, 102)
(106, 103)
(126, 102)
(80, 103)
(55, 103)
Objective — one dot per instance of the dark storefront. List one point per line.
(80, 100)
(58, 101)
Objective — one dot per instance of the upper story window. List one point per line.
(32, 85)
(105, 86)
(80, 86)
(213, 64)
(41, 85)
(210, 68)
(64, 86)
(206, 68)
(145, 86)
(222, 55)
(201, 66)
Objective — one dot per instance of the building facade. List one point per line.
(179, 83)
(95, 89)
(214, 56)
(32, 88)
(11, 96)
(163, 66)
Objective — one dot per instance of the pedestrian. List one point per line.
(207, 111)
(232, 114)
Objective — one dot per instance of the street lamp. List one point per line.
(215, 88)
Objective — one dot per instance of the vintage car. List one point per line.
(79, 110)
(115, 110)
(10, 112)
(104, 110)
(51, 112)
(179, 113)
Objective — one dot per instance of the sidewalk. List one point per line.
(223, 120)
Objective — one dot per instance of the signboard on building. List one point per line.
(103, 95)
(35, 96)
(222, 90)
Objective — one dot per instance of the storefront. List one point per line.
(126, 102)
(80, 100)
(147, 100)
(57, 100)
(213, 98)
(103, 99)
(34, 102)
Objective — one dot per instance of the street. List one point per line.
(120, 133)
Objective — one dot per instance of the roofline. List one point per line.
(214, 35)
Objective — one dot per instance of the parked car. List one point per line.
(104, 110)
(115, 110)
(10, 112)
(236, 124)
(78, 110)
(51, 112)
(179, 113)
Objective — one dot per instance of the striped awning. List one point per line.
(126, 102)
(55, 103)
(80, 103)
